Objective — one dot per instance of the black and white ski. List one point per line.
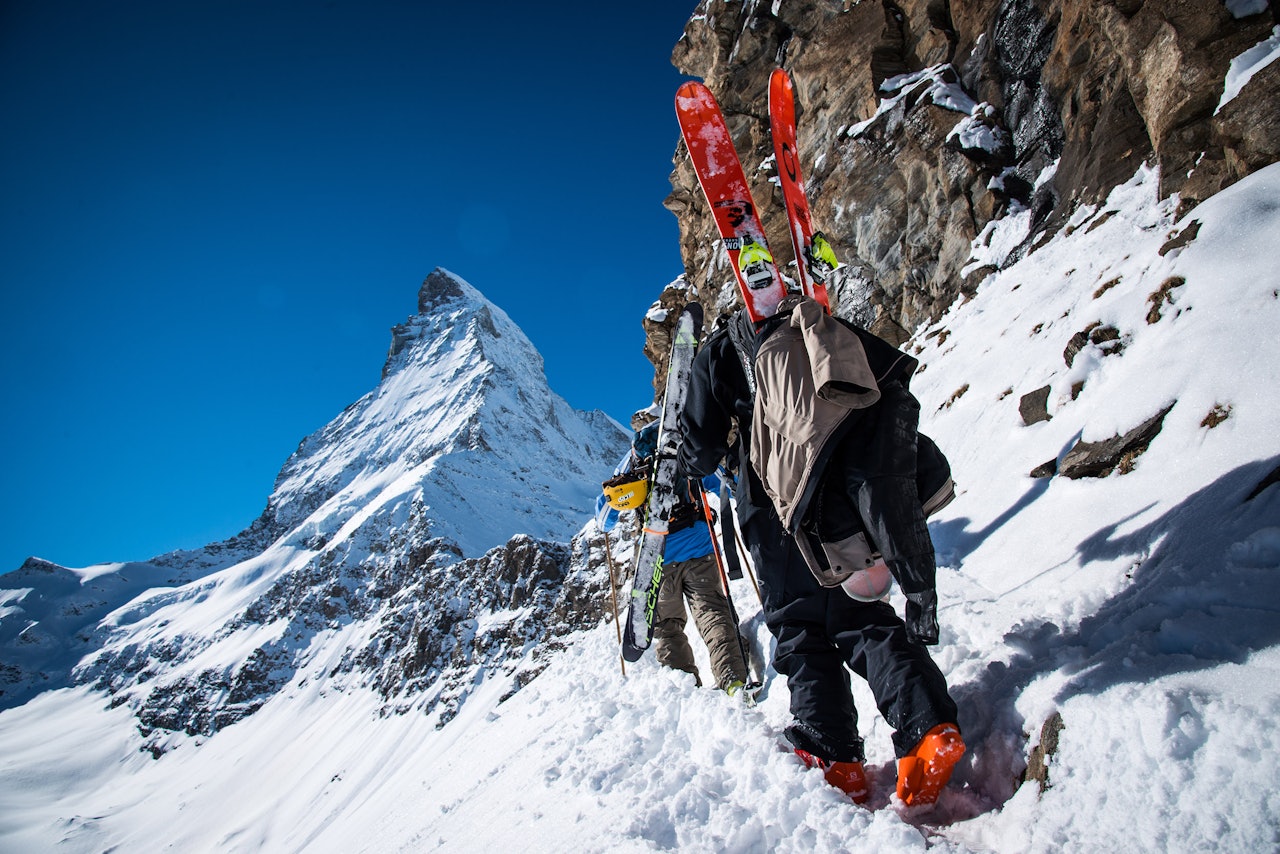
(638, 629)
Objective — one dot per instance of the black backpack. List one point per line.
(833, 536)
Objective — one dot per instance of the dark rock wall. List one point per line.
(1095, 87)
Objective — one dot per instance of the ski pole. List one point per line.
(746, 562)
(613, 589)
(715, 549)
(724, 581)
(744, 556)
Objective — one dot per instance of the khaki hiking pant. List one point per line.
(697, 580)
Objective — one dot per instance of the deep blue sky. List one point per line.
(213, 211)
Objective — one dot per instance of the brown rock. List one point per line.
(1097, 88)
(1047, 469)
(1099, 459)
(1034, 406)
(1041, 755)
(1106, 338)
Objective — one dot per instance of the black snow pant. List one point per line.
(821, 635)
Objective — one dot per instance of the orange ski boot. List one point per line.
(926, 769)
(848, 777)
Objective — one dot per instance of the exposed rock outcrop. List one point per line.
(921, 121)
(436, 627)
(1099, 459)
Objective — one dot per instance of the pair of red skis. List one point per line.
(720, 174)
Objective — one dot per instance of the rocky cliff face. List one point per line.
(923, 121)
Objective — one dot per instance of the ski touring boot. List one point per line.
(848, 777)
(924, 771)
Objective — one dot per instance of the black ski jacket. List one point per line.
(870, 474)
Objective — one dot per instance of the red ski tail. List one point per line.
(812, 261)
(725, 185)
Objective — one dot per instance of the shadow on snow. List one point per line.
(1204, 592)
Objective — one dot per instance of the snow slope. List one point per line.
(1140, 607)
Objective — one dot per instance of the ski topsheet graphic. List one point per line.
(638, 629)
(725, 186)
(815, 259)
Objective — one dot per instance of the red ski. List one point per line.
(725, 186)
(814, 258)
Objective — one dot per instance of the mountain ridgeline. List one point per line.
(421, 541)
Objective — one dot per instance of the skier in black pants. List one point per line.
(822, 630)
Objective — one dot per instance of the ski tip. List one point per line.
(780, 82)
(693, 94)
(782, 105)
(694, 310)
(689, 324)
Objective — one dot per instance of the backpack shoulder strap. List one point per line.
(747, 337)
(743, 335)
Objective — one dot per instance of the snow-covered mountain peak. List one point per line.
(449, 306)
(415, 540)
(462, 412)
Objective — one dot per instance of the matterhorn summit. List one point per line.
(417, 545)
(463, 426)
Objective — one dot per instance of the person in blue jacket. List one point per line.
(690, 573)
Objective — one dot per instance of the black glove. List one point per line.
(922, 617)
